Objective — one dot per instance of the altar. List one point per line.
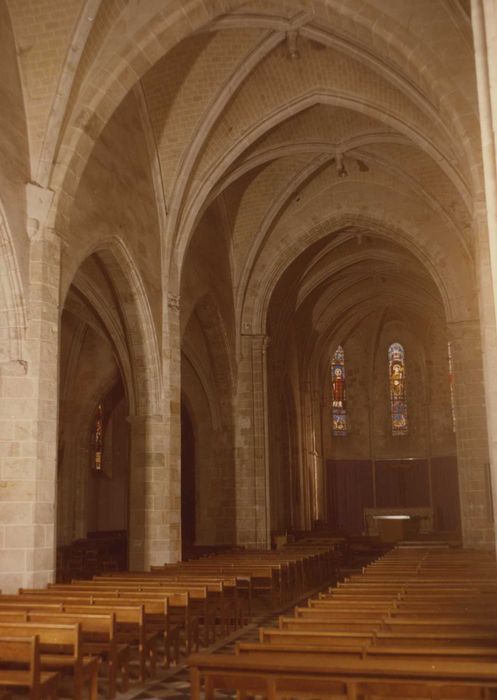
(395, 524)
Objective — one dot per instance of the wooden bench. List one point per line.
(61, 650)
(131, 629)
(283, 675)
(323, 638)
(187, 605)
(17, 652)
(221, 599)
(99, 638)
(177, 611)
(164, 606)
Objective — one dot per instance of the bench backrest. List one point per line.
(67, 638)
(25, 651)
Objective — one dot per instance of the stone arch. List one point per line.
(253, 313)
(195, 401)
(217, 338)
(200, 197)
(145, 390)
(158, 34)
(12, 303)
(207, 389)
(72, 487)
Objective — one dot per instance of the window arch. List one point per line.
(338, 391)
(397, 381)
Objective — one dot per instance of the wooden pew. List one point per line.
(188, 604)
(277, 675)
(16, 652)
(380, 638)
(325, 638)
(99, 638)
(179, 612)
(222, 599)
(61, 650)
(131, 629)
(130, 616)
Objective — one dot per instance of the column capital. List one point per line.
(173, 301)
(38, 202)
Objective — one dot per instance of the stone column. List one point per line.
(471, 434)
(251, 448)
(155, 454)
(309, 455)
(28, 419)
(172, 420)
(150, 511)
(484, 21)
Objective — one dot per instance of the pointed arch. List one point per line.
(142, 369)
(12, 302)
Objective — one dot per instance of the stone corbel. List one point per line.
(38, 202)
(173, 301)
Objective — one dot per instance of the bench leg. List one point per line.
(271, 689)
(124, 670)
(143, 663)
(194, 683)
(78, 685)
(94, 684)
(53, 694)
(111, 687)
(208, 689)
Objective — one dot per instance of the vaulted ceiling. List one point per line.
(348, 128)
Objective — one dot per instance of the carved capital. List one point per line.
(173, 301)
(38, 202)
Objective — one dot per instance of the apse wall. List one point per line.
(371, 467)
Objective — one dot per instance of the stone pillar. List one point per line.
(172, 420)
(150, 516)
(309, 455)
(317, 440)
(28, 426)
(484, 21)
(471, 434)
(155, 454)
(252, 487)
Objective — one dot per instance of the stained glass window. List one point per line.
(339, 400)
(98, 438)
(397, 379)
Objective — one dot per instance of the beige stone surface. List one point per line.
(198, 201)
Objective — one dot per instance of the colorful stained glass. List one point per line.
(98, 438)
(397, 379)
(339, 398)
